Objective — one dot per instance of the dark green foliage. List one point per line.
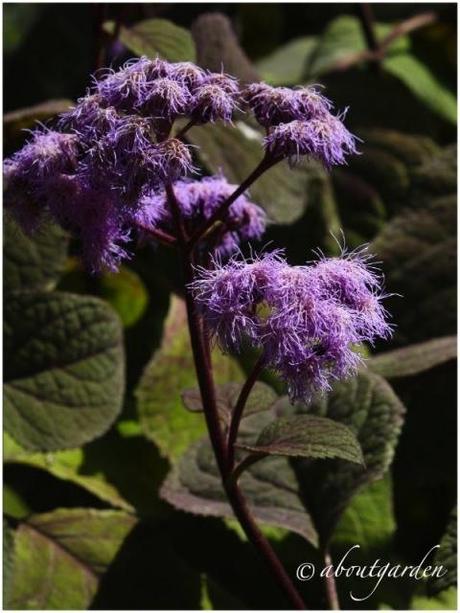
(112, 495)
(447, 557)
(32, 262)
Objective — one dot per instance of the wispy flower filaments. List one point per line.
(106, 165)
(304, 319)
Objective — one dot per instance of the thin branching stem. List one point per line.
(162, 237)
(216, 435)
(239, 408)
(267, 162)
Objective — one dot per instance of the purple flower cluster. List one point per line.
(300, 122)
(107, 167)
(198, 201)
(305, 319)
(114, 150)
(165, 91)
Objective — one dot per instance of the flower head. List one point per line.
(324, 138)
(164, 98)
(212, 103)
(224, 81)
(274, 105)
(198, 201)
(188, 74)
(353, 281)
(90, 119)
(298, 316)
(172, 160)
(30, 171)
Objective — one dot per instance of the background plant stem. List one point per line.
(329, 583)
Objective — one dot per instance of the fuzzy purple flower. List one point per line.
(212, 103)
(29, 172)
(124, 159)
(188, 74)
(274, 105)
(323, 138)
(224, 81)
(198, 201)
(164, 98)
(90, 119)
(172, 159)
(353, 281)
(298, 316)
(215, 99)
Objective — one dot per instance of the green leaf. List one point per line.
(126, 293)
(446, 556)
(68, 465)
(13, 504)
(157, 37)
(423, 84)
(418, 250)
(446, 600)
(303, 496)
(369, 519)
(32, 262)
(282, 192)
(262, 396)
(64, 378)
(287, 64)
(8, 561)
(370, 408)
(60, 556)
(307, 436)
(344, 38)
(414, 359)
(171, 370)
(18, 20)
(270, 486)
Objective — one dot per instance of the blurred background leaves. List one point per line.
(399, 195)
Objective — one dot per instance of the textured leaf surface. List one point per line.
(60, 556)
(447, 557)
(270, 485)
(32, 262)
(414, 359)
(262, 396)
(304, 496)
(64, 377)
(307, 436)
(157, 37)
(236, 152)
(370, 408)
(171, 370)
(418, 249)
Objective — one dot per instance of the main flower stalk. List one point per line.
(222, 452)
